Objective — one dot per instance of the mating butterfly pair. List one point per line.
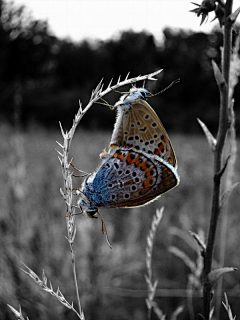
(140, 165)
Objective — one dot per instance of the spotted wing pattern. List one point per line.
(138, 126)
(128, 178)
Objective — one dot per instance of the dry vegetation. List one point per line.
(111, 281)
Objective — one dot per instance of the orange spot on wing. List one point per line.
(143, 166)
(137, 162)
(161, 148)
(120, 156)
(146, 183)
(129, 160)
(148, 174)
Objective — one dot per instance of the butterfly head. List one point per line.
(140, 93)
(133, 95)
(88, 207)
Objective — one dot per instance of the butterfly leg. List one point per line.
(77, 189)
(76, 175)
(75, 213)
(105, 103)
(81, 211)
(118, 91)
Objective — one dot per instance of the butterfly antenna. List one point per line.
(165, 89)
(144, 83)
(104, 230)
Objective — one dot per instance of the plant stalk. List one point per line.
(221, 137)
(76, 283)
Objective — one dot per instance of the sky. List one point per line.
(103, 19)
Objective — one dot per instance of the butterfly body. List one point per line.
(134, 94)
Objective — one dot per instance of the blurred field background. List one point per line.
(42, 78)
(111, 281)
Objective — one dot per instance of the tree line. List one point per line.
(43, 77)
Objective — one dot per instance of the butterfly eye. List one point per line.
(144, 95)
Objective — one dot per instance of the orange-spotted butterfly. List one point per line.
(140, 165)
(138, 126)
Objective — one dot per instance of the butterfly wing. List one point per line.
(129, 178)
(139, 126)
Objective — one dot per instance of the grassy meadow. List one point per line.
(111, 282)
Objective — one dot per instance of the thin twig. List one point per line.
(18, 314)
(47, 286)
(228, 308)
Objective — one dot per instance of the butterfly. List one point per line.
(127, 178)
(140, 164)
(138, 126)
